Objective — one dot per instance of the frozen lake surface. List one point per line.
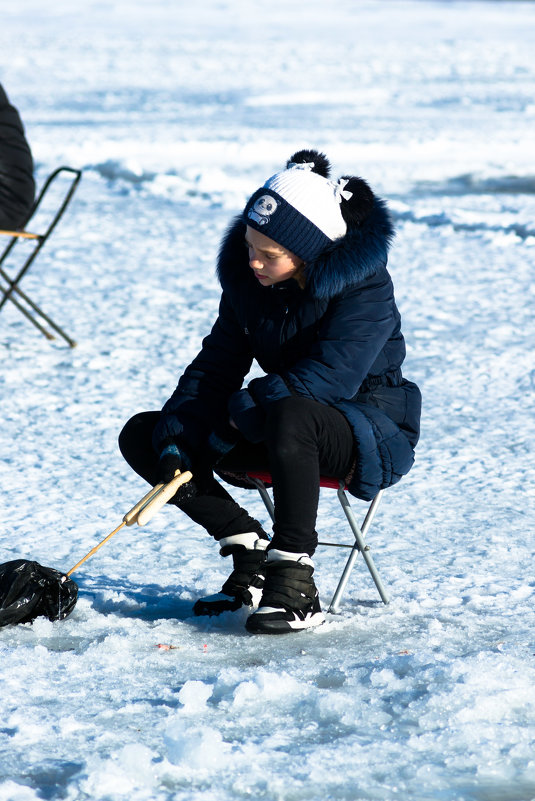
(176, 113)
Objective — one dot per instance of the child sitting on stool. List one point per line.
(306, 293)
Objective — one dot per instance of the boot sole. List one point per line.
(256, 625)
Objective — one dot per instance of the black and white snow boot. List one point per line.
(290, 600)
(244, 585)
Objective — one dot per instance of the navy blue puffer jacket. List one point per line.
(337, 341)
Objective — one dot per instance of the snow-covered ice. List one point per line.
(175, 112)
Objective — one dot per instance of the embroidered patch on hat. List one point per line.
(263, 208)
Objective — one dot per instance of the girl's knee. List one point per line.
(129, 430)
(136, 434)
(288, 421)
(289, 411)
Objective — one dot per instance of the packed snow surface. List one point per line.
(176, 112)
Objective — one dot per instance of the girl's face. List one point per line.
(270, 262)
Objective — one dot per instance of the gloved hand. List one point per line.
(247, 416)
(171, 459)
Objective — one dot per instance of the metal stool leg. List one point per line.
(268, 503)
(360, 540)
(360, 545)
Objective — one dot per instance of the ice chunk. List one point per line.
(267, 686)
(124, 773)
(11, 791)
(197, 748)
(194, 695)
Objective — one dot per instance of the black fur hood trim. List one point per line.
(348, 261)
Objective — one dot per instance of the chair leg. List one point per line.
(13, 292)
(23, 310)
(264, 494)
(360, 545)
(9, 294)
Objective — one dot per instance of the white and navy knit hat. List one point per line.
(300, 208)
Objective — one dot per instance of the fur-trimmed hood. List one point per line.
(347, 262)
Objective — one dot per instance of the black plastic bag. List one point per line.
(29, 590)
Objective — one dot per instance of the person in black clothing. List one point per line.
(17, 185)
(306, 294)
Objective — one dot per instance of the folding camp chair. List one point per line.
(262, 480)
(12, 291)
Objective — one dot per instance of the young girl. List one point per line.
(306, 294)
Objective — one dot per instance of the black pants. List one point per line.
(303, 440)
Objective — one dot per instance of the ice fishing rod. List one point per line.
(142, 512)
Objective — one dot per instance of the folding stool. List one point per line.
(262, 479)
(13, 292)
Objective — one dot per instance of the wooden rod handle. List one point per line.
(160, 499)
(131, 516)
(142, 512)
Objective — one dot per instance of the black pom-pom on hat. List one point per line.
(360, 204)
(321, 163)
